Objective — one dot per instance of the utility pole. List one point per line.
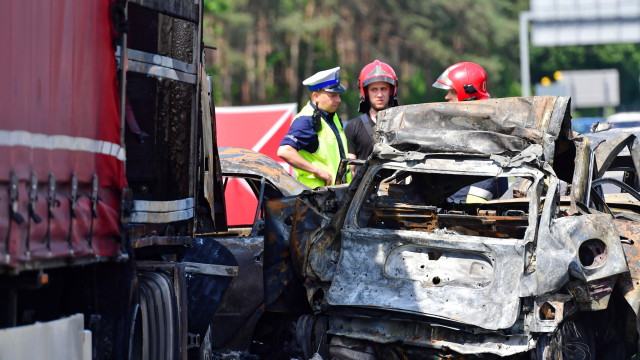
(525, 73)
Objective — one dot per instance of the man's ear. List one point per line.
(314, 96)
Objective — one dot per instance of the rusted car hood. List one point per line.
(248, 162)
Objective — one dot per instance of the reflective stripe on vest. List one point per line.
(480, 192)
(327, 157)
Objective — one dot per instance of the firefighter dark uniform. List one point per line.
(481, 191)
(359, 131)
(467, 81)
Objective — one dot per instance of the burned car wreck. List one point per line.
(393, 268)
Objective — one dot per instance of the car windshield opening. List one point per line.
(489, 206)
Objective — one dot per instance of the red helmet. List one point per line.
(468, 79)
(374, 72)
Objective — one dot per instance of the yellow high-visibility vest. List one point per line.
(327, 157)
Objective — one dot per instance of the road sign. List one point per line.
(584, 22)
(587, 88)
(576, 22)
(553, 89)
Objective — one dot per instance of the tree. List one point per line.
(266, 48)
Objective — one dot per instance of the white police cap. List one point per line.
(327, 80)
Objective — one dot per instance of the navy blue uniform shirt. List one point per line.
(301, 135)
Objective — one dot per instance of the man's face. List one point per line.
(327, 101)
(451, 96)
(379, 93)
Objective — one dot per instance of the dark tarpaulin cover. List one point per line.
(59, 115)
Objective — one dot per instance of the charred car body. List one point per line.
(393, 268)
(242, 316)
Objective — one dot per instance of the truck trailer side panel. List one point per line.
(62, 167)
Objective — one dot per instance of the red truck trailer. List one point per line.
(108, 171)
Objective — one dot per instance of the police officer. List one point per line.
(315, 143)
(378, 85)
(466, 81)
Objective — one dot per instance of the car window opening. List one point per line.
(432, 202)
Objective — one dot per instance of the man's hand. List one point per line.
(328, 179)
(291, 156)
(352, 167)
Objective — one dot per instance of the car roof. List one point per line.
(494, 126)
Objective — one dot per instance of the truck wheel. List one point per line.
(158, 317)
(135, 335)
(311, 335)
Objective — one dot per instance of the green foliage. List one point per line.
(418, 89)
(267, 47)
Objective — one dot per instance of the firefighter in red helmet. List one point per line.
(463, 81)
(378, 86)
(467, 81)
(377, 71)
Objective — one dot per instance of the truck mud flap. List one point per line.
(283, 288)
(204, 290)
